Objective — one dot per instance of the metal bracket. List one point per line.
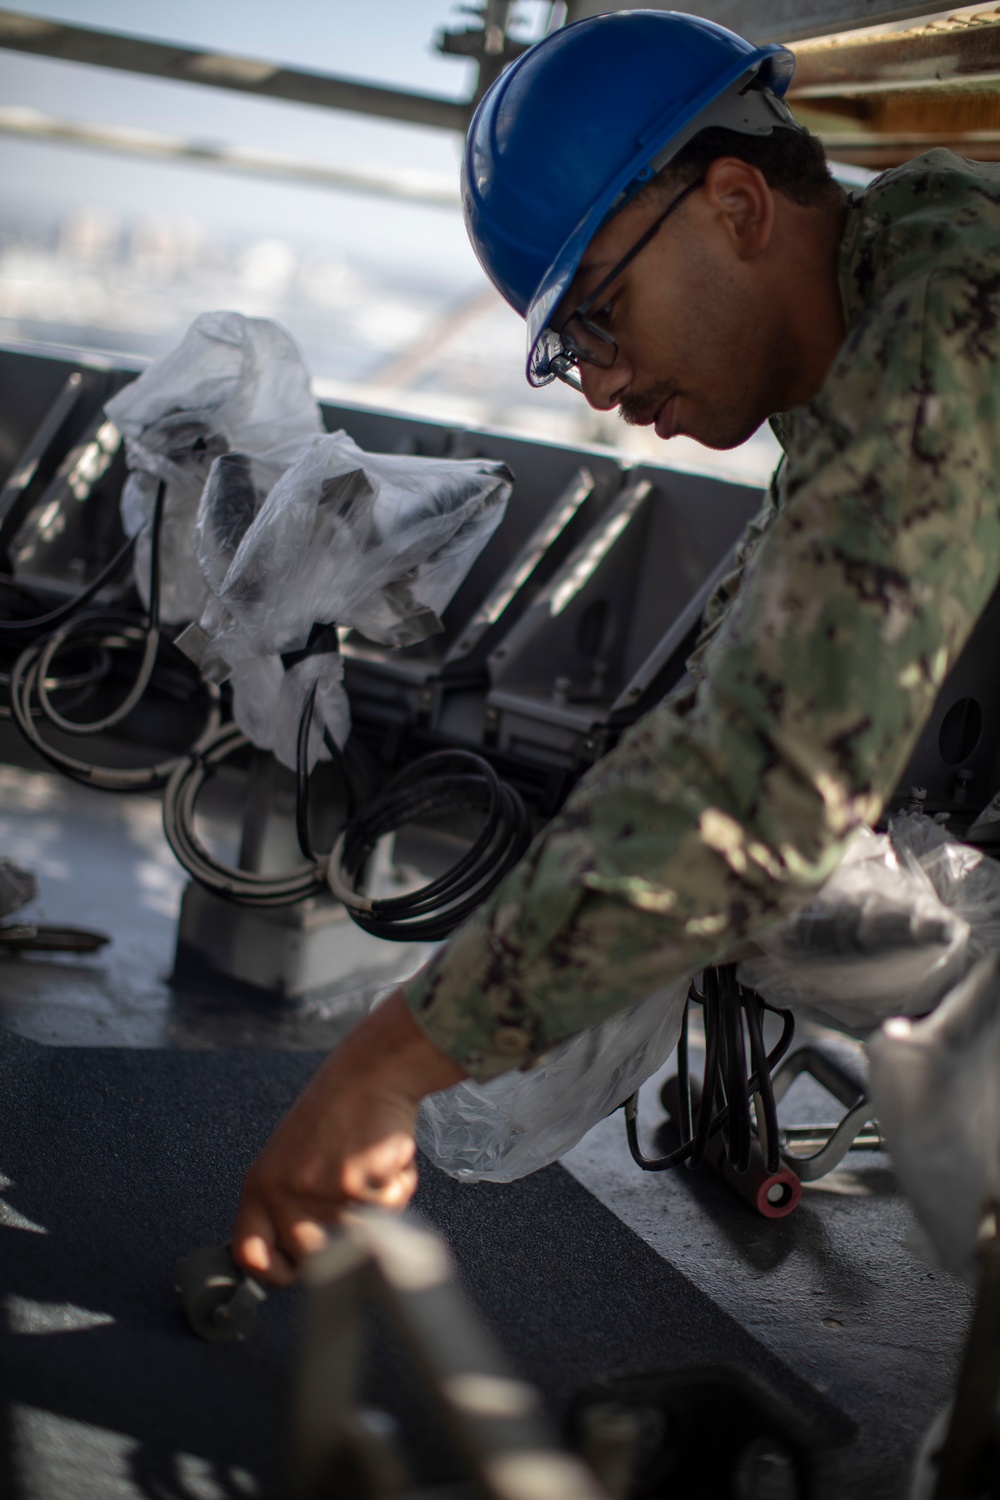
(840, 1074)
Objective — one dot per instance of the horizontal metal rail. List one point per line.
(882, 99)
(871, 99)
(245, 75)
(413, 187)
(961, 52)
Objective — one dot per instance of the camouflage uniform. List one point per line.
(879, 547)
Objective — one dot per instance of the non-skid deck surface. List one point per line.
(118, 1161)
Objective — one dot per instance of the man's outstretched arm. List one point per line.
(347, 1139)
(704, 825)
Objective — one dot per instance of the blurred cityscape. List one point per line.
(392, 334)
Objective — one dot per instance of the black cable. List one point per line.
(302, 777)
(33, 678)
(180, 800)
(351, 775)
(69, 608)
(764, 1100)
(710, 1123)
(80, 685)
(685, 1122)
(444, 782)
(738, 1132)
(92, 627)
(357, 771)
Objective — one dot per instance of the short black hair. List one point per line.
(793, 162)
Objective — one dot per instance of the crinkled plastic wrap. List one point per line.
(342, 537)
(935, 1087)
(965, 880)
(519, 1122)
(232, 383)
(895, 926)
(377, 541)
(268, 700)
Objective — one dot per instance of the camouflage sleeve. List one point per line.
(706, 824)
(722, 599)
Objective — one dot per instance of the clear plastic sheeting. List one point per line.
(233, 383)
(895, 926)
(935, 1087)
(515, 1124)
(965, 880)
(268, 701)
(378, 542)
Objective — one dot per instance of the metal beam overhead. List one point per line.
(960, 53)
(245, 75)
(875, 100)
(878, 100)
(410, 187)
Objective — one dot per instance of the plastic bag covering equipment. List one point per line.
(272, 527)
(897, 924)
(521, 1121)
(379, 542)
(233, 383)
(934, 1087)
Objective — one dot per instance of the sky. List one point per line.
(384, 41)
(381, 41)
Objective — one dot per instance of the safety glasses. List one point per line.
(580, 339)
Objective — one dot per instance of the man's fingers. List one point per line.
(283, 1216)
(303, 1237)
(397, 1193)
(271, 1262)
(255, 1246)
(392, 1192)
(253, 1253)
(370, 1174)
(253, 1235)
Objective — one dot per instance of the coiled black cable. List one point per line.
(446, 781)
(34, 679)
(726, 1090)
(79, 686)
(353, 777)
(180, 800)
(75, 687)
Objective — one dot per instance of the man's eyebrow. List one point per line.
(592, 271)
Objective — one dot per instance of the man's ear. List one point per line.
(743, 201)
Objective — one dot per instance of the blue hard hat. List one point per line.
(578, 123)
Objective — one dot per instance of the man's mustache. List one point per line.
(640, 409)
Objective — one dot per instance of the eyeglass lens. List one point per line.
(579, 337)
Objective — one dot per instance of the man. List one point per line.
(636, 189)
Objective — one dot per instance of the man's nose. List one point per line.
(603, 389)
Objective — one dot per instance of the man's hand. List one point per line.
(349, 1138)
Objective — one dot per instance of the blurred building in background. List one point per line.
(117, 253)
